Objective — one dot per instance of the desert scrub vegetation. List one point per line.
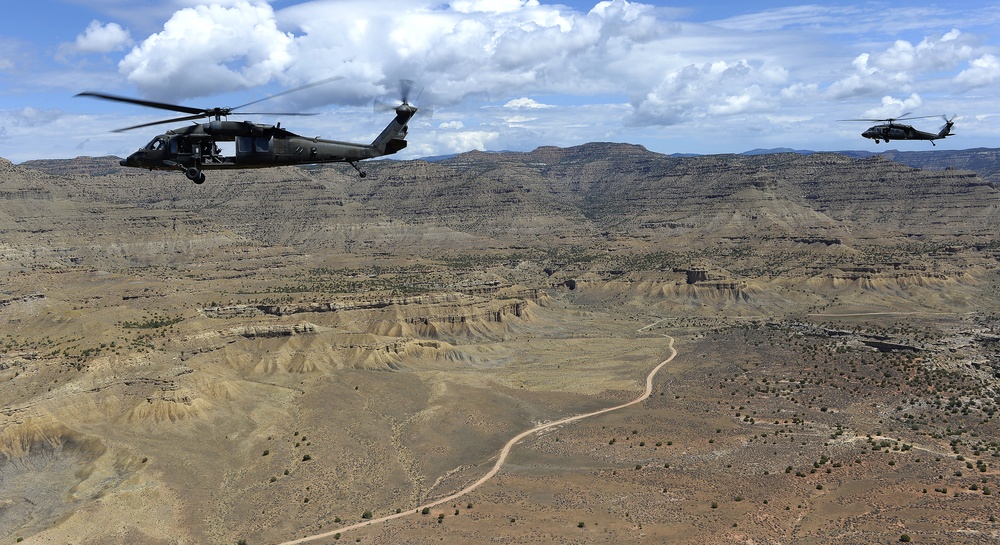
(155, 321)
(801, 380)
(653, 261)
(877, 253)
(141, 335)
(11, 343)
(568, 256)
(398, 280)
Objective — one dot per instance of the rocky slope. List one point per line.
(582, 192)
(259, 356)
(983, 161)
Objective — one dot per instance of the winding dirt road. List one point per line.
(500, 459)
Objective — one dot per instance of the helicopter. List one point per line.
(888, 129)
(194, 148)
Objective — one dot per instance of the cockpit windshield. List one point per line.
(157, 144)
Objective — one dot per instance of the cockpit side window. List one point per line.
(156, 144)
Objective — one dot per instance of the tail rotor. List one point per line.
(948, 124)
(402, 105)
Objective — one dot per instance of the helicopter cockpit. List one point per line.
(157, 144)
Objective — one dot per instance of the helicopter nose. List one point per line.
(133, 160)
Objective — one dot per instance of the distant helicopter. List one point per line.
(193, 149)
(890, 130)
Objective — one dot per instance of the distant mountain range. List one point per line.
(983, 161)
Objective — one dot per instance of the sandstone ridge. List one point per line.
(281, 352)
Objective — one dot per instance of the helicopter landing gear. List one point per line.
(361, 173)
(195, 175)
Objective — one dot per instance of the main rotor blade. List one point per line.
(274, 113)
(891, 119)
(405, 88)
(200, 116)
(148, 103)
(918, 117)
(198, 113)
(173, 120)
(384, 105)
(295, 90)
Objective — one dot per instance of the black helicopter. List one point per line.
(193, 149)
(889, 129)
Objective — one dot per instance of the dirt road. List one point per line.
(500, 459)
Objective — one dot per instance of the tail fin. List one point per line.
(393, 137)
(946, 129)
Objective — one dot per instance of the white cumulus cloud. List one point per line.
(981, 72)
(519, 73)
(895, 107)
(97, 38)
(525, 103)
(457, 50)
(100, 38)
(207, 49)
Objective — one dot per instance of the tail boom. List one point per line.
(393, 137)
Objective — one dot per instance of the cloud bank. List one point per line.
(520, 73)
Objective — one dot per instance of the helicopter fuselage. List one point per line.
(195, 148)
(896, 131)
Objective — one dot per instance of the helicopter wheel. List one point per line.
(357, 168)
(195, 175)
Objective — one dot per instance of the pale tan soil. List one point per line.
(214, 365)
(382, 440)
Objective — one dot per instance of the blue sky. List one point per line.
(710, 76)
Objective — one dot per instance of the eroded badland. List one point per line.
(280, 353)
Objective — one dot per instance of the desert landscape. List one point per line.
(278, 355)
